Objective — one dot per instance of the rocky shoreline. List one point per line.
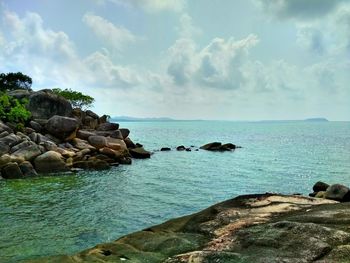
(62, 139)
(252, 228)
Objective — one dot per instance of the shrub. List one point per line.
(76, 98)
(14, 111)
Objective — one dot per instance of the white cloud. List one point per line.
(218, 65)
(187, 28)
(299, 9)
(151, 6)
(116, 37)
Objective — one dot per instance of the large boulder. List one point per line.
(320, 186)
(108, 126)
(20, 94)
(4, 148)
(217, 146)
(114, 134)
(338, 192)
(140, 153)
(11, 171)
(28, 152)
(44, 104)
(4, 127)
(50, 162)
(84, 134)
(125, 132)
(98, 141)
(62, 127)
(10, 140)
(27, 169)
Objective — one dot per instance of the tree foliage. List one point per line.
(13, 81)
(76, 98)
(14, 111)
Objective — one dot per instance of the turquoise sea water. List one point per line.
(66, 214)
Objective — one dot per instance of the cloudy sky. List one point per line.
(194, 59)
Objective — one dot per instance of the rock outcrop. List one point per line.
(61, 139)
(252, 228)
(218, 146)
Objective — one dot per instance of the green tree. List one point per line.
(76, 98)
(13, 81)
(14, 111)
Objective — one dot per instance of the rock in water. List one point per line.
(140, 153)
(44, 104)
(165, 149)
(213, 146)
(125, 132)
(338, 192)
(320, 186)
(181, 148)
(62, 127)
(50, 162)
(27, 169)
(11, 171)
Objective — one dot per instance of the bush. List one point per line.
(14, 111)
(13, 81)
(76, 98)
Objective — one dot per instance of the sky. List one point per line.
(186, 59)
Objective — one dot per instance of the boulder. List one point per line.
(5, 159)
(125, 160)
(44, 104)
(320, 194)
(129, 143)
(4, 148)
(108, 126)
(98, 141)
(84, 134)
(91, 114)
(20, 146)
(227, 147)
(90, 123)
(92, 164)
(125, 132)
(113, 141)
(213, 146)
(4, 127)
(4, 134)
(139, 153)
(36, 126)
(165, 149)
(338, 192)
(50, 146)
(50, 162)
(113, 134)
(10, 140)
(28, 153)
(27, 169)
(11, 171)
(181, 148)
(20, 93)
(320, 186)
(28, 130)
(82, 144)
(62, 127)
(103, 119)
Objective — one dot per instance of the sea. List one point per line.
(64, 214)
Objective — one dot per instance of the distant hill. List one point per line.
(317, 120)
(127, 118)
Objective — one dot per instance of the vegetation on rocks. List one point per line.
(76, 98)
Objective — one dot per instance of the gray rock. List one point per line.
(27, 169)
(4, 134)
(213, 146)
(108, 126)
(91, 114)
(113, 134)
(338, 192)
(4, 127)
(98, 141)
(140, 153)
(165, 149)
(44, 104)
(84, 134)
(181, 148)
(320, 186)
(11, 171)
(20, 94)
(28, 153)
(50, 162)
(129, 143)
(4, 148)
(20, 145)
(36, 126)
(10, 140)
(90, 123)
(62, 127)
(125, 132)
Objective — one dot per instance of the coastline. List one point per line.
(251, 228)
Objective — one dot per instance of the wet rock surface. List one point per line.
(252, 228)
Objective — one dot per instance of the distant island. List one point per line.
(317, 120)
(127, 118)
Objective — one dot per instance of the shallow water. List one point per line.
(65, 214)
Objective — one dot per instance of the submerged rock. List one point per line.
(252, 228)
(140, 153)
